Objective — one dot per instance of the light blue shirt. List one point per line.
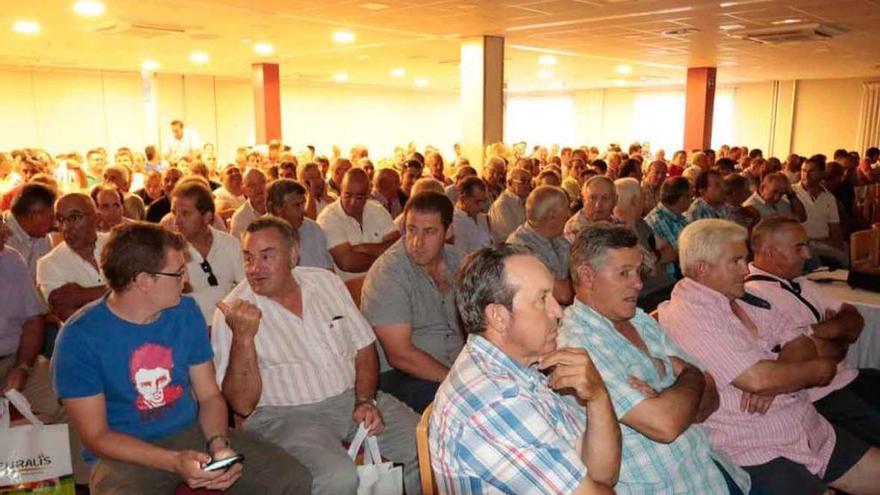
(313, 246)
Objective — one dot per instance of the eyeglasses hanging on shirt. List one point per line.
(206, 267)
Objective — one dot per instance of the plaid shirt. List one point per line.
(700, 209)
(497, 427)
(684, 466)
(666, 224)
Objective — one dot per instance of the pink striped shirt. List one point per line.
(701, 321)
(786, 303)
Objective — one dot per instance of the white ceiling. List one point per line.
(589, 37)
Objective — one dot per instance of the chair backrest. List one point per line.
(425, 471)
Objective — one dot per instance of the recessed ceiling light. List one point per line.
(199, 57)
(149, 65)
(730, 27)
(785, 21)
(728, 63)
(620, 82)
(89, 8)
(547, 60)
(399, 72)
(545, 74)
(264, 48)
(421, 82)
(340, 77)
(26, 27)
(623, 69)
(344, 37)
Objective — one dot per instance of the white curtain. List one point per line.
(869, 119)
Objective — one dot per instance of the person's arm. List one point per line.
(242, 385)
(376, 249)
(767, 377)
(403, 355)
(350, 260)
(797, 207)
(668, 414)
(366, 381)
(30, 345)
(799, 349)
(845, 325)
(67, 299)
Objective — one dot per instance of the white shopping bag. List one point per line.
(34, 458)
(374, 476)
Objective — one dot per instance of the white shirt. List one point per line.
(243, 216)
(30, 248)
(301, 360)
(470, 234)
(224, 200)
(820, 212)
(63, 266)
(506, 214)
(227, 263)
(341, 228)
(178, 148)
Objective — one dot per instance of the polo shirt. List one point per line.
(313, 246)
(21, 301)
(340, 228)
(506, 214)
(553, 253)
(30, 248)
(783, 207)
(62, 266)
(471, 234)
(243, 216)
(820, 212)
(227, 263)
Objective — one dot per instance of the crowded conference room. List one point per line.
(386, 247)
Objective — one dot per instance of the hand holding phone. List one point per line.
(224, 463)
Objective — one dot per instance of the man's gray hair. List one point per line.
(628, 189)
(543, 200)
(482, 280)
(593, 243)
(703, 240)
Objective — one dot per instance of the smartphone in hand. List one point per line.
(224, 463)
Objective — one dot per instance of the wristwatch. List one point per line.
(365, 400)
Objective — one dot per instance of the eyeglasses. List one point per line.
(74, 217)
(178, 274)
(206, 267)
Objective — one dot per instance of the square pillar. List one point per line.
(699, 106)
(267, 102)
(482, 95)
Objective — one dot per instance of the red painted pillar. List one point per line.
(267, 102)
(699, 105)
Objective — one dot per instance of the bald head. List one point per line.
(79, 201)
(355, 176)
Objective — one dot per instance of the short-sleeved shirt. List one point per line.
(225, 200)
(765, 209)
(30, 248)
(666, 224)
(701, 321)
(399, 292)
(682, 466)
(471, 234)
(578, 222)
(506, 214)
(301, 360)
(340, 228)
(788, 306)
(243, 216)
(62, 266)
(552, 252)
(141, 369)
(820, 212)
(701, 209)
(227, 263)
(21, 301)
(313, 246)
(650, 196)
(497, 427)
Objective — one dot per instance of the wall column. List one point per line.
(267, 102)
(699, 106)
(482, 95)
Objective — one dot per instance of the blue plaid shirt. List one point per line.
(701, 209)
(497, 427)
(666, 224)
(684, 466)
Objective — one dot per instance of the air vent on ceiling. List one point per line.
(790, 34)
(140, 29)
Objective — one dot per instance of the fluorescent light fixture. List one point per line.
(731, 27)
(344, 37)
(545, 74)
(421, 82)
(398, 72)
(264, 48)
(548, 60)
(89, 8)
(785, 21)
(149, 65)
(340, 77)
(623, 69)
(199, 57)
(26, 27)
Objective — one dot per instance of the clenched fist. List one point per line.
(242, 317)
(575, 370)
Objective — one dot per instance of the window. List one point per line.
(539, 120)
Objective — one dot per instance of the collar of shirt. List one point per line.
(496, 364)
(17, 232)
(696, 293)
(670, 215)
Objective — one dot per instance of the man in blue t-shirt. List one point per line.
(134, 371)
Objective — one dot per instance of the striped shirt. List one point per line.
(786, 303)
(666, 224)
(301, 360)
(701, 209)
(684, 466)
(498, 428)
(701, 321)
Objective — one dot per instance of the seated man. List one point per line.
(651, 185)
(119, 177)
(255, 191)
(469, 224)
(823, 220)
(162, 206)
(286, 199)
(108, 201)
(788, 447)
(775, 197)
(499, 425)
(358, 230)
(509, 211)
(710, 197)
(230, 197)
(214, 261)
(850, 401)
(29, 221)
(134, 373)
(386, 190)
(318, 197)
(546, 214)
(294, 355)
(659, 397)
(493, 174)
(409, 299)
(68, 276)
(599, 197)
(338, 168)
(667, 219)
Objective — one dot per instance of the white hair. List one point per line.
(628, 189)
(703, 240)
(691, 173)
